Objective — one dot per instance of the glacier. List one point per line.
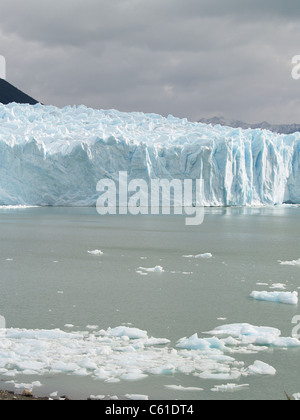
(55, 157)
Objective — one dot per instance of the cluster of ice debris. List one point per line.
(129, 354)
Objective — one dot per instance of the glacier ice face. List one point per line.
(52, 156)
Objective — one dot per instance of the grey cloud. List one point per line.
(80, 22)
(191, 58)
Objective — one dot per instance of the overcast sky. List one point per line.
(189, 58)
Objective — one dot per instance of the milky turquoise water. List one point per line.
(48, 279)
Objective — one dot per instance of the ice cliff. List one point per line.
(52, 156)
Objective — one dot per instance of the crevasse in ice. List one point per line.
(53, 156)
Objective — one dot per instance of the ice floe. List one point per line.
(137, 397)
(183, 389)
(261, 368)
(122, 331)
(206, 256)
(292, 263)
(145, 271)
(230, 388)
(248, 335)
(26, 386)
(289, 298)
(280, 286)
(96, 252)
(96, 397)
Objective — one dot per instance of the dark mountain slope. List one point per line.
(9, 93)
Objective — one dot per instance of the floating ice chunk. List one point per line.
(65, 367)
(261, 368)
(97, 397)
(36, 384)
(293, 263)
(183, 389)
(247, 330)
(289, 298)
(196, 343)
(280, 286)
(133, 376)
(54, 394)
(137, 397)
(122, 331)
(156, 341)
(101, 374)
(30, 372)
(249, 335)
(207, 255)
(157, 269)
(230, 388)
(42, 335)
(11, 373)
(96, 252)
(141, 273)
(30, 365)
(167, 369)
(81, 372)
(92, 327)
(220, 376)
(28, 387)
(87, 364)
(286, 342)
(112, 380)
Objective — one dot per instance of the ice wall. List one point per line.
(52, 156)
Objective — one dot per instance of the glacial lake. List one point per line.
(153, 274)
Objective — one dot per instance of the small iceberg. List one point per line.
(205, 256)
(96, 252)
(292, 263)
(183, 389)
(230, 388)
(249, 335)
(288, 298)
(261, 368)
(131, 333)
(144, 271)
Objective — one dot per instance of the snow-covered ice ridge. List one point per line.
(53, 156)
